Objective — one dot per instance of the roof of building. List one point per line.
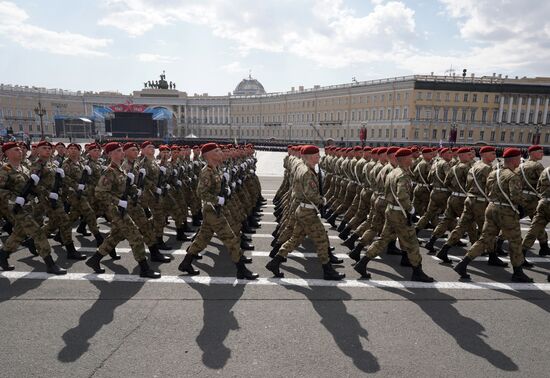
(249, 87)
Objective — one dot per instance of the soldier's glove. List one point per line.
(521, 212)
(168, 186)
(20, 201)
(139, 192)
(240, 181)
(81, 187)
(53, 196)
(56, 163)
(221, 201)
(88, 169)
(131, 177)
(174, 172)
(163, 169)
(142, 171)
(410, 217)
(35, 178)
(251, 171)
(61, 172)
(228, 191)
(226, 176)
(123, 204)
(233, 185)
(158, 191)
(179, 183)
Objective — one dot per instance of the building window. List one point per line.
(387, 133)
(366, 115)
(428, 113)
(497, 99)
(455, 114)
(511, 136)
(513, 116)
(520, 137)
(30, 127)
(382, 98)
(379, 133)
(403, 133)
(395, 133)
(461, 134)
(437, 96)
(529, 136)
(486, 99)
(502, 136)
(396, 114)
(481, 135)
(419, 95)
(381, 114)
(504, 114)
(406, 113)
(474, 97)
(447, 97)
(465, 97)
(434, 134)
(456, 97)
(546, 138)
(492, 136)
(418, 112)
(522, 116)
(531, 115)
(416, 134)
(372, 133)
(470, 134)
(436, 114)
(473, 115)
(495, 116)
(443, 134)
(445, 114)
(484, 115)
(425, 134)
(429, 95)
(398, 97)
(463, 115)
(20, 127)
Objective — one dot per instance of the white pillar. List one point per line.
(218, 116)
(500, 109)
(518, 112)
(537, 109)
(223, 115)
(545, 112)
(509, 115)
(528, 110)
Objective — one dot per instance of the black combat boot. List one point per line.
(520, 276)
(98, 239)
(147, 212)
(405, 259)
(328, 213)
(157, 256)
(186, 267)
(355, 253)
(196, 220)
(498, 247)
(4, 264)
(544, 249)
(419, 275)
(245, 237)
(113, 255)
(342, 226)
(442, 254)
(246, 260)
(52, 267)
(244, 273)
(254, 223)
(274, 265)
(180, 234)
(162, 245)
(276, 231)
(430, 245)
(93, 262)
(73, 254)
(392, 249)
(330, 274)
(275, 249)
(332, 220)
(7, 227)
(350, 242)
(245, 246)
(495, 261)
(145, 271)
(57, 237)
(81, 229)
(462, 268)
(333, 258)
(187, 228)
(247, 229)
(361, 268)
(29, 243)
(526, 263)
(345, 233)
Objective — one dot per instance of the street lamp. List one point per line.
(41, 112)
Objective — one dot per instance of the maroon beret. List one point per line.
(146, 143)
(76, 145)
(164, 147)
(403, 152)
(207, 147)
(9, 146)
(111, 146)
(485, 149)
(60, 144)
(43, 143)
(511, 152)
(367, 148)
(128, 145)
(464, 150)
(309, 150)
(357, 148)
(392, 150)
(382, 150)
(534, 148)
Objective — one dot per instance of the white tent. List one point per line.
(191, 136)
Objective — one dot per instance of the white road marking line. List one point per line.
(275, 223)
(270, 190)
(271, 236)
(505, 259)
(202, 280)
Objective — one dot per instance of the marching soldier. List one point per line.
(542, 214)
(214, 221)
(398, 219)
(113, 190)
(17, 186)
(503, 213)
(306, 191)
(421, 194)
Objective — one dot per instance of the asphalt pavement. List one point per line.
(88, 325)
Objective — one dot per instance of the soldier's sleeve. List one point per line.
(40, 189)
(205, 187)
(403, 193)
(515, 186)
(69, 182)
(103, 189)
(148, 182)
(5, 193)
(310, 188)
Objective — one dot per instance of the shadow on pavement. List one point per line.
(468, 333)
(345, 329)
(218, 318)
(111, 296)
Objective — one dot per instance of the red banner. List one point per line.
(128, 107)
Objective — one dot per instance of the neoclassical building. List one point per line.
(419, 109)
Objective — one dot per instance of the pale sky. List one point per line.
(208, 46)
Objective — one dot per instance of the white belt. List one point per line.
(530, 192)
(423, 185)
(477, 198)
(441, 189)
(381, 197)
(394, 207)
(501, 203)
(307, 205)
(458, 194)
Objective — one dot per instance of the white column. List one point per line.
(218, 110)
(518, 112)
(528, 110)
(537, 109)
(500, 109)
(545, 112)
(223, 115)
(509, 115)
